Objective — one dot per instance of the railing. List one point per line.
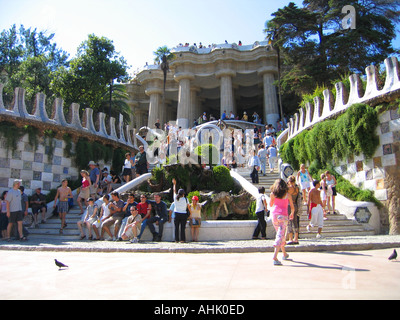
(127, 135)
(331, 106)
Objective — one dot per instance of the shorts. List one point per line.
(195, 222)
(317, 216)
(129, 232)
(36, 209)
(127, 172)
(305, 185)
(142, 169)
(323, 195)
(16, 216)
(92, 220)
(63, 207)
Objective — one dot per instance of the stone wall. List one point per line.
(35, 167)
(374, 174)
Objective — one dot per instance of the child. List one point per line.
(88, 219)
(279, 203)
(304, 180)
(195, 218)
(316, 210)
(64, 193)
(104, 215)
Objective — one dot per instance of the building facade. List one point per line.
(221, 78)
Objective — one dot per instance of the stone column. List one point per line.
(195, 111)
(271, 110)
(184, 99)
(155, 109)
(227, 97)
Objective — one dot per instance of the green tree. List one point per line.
(90, 73)
(28, 57)
(119, 96)
(163, 57)
(11, 50)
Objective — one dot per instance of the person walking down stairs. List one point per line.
(254, 164)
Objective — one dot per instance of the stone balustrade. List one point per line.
(331, 106)
(126, 136)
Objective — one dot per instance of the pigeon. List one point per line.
(393, 256)
(60, 264)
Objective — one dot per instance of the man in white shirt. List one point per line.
(262, 155)
(14, 210)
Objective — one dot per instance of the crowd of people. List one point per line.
(14, 208)
(285, 201)
(280, 125)
(126, 221)
(200, 45)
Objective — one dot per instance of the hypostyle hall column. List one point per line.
(227, 97)
(155, 109)
(271, 110)
(194, 111)
(184, 99)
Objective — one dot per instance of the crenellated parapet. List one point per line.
(331, 105)
(118, 134)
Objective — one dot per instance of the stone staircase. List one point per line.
(51, 229)
(335, 225)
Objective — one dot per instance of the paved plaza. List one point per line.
(341, 274)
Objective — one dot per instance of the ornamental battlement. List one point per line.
(331, 106)
(118, 134)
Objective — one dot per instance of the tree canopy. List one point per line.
(30, 59)
(90, 73)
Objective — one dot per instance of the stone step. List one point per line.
(336, 225)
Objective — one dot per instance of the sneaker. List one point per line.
(319, 236)
(277, 263)
(285, 257)
(308, 228)
(134, 240)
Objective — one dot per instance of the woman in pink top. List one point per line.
(84, 194)
(279, 202)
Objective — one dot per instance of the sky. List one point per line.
(137, 27)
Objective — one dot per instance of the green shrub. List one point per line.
(353, 132)
(192, 194)
(223, 179)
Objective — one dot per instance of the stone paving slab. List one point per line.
(166, 277)
(306, 245)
